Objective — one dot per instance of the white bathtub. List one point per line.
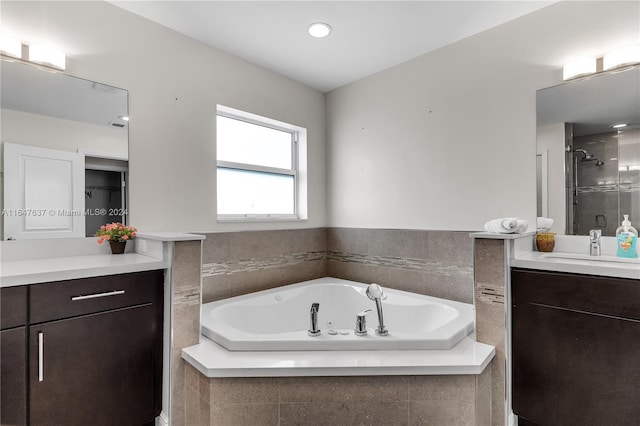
(278, 319)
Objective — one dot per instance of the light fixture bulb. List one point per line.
(319, 29)
(579, 68)
(10, 46)
(619, 126)
(47, 56)
(624, 56)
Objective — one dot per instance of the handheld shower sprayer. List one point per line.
(375, 293)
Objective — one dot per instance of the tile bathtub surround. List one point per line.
(490, 282)
(236, 263)
(374, 400)
(437, 263)
(186, 278)
(434, 263)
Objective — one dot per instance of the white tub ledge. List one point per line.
(212, 360)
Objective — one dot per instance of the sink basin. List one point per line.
(581, 256)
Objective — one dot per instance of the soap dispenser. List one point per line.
(627, 239)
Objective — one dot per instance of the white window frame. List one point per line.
(298, 164)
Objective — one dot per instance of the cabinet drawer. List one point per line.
(13, 307)
(618, 297)
(66, 299)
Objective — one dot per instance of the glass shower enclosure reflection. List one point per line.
(603, 181)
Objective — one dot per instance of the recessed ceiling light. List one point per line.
(319, 29)
(619, 126)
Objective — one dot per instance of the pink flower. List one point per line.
(115, 231)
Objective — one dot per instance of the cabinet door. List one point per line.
(572, 367)
(13, 377)
(50, 184)
(94, 369)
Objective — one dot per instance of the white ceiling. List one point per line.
(367, 37)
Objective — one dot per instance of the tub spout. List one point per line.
(314, 331)
(374, 292)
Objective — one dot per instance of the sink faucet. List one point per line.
(594, 242)
(374, 292)
(314, 331)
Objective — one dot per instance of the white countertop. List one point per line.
(212, 360)
(32, 261)
(498, 236)
(31, 271)
(171, 236)
(540, 261)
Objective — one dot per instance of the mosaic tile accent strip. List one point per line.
(491, 294)
(187, 296)
(252, 265)
(409, 264)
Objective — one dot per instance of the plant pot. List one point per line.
(117, 247)
(545, 241)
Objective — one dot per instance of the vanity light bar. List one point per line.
(35, 53)
(625, 56)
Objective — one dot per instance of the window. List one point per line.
(259, 166)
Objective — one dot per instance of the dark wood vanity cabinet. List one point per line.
(575, 349)
(94, 350)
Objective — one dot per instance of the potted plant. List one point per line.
(117, 234)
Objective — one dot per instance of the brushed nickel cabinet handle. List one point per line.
(96, 295)
(40, 357)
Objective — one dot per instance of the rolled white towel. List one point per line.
(544, 223)
(505, 225)
(522, 226)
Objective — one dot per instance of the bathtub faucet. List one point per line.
(314, 331)
(361, 323)
(374, 292)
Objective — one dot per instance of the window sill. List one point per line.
(259, 219)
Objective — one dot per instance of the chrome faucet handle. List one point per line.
(314, 331)
(361, 322)
(594, 242)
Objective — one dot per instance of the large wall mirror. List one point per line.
(64, 153)
(589, 170)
